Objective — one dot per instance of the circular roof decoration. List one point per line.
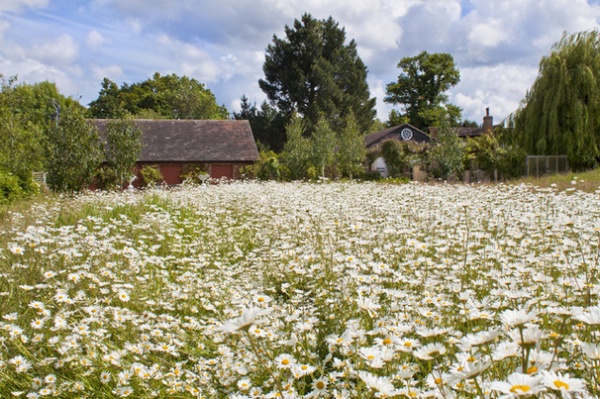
(406, 134)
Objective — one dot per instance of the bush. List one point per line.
(151, 175)
(191, 173)
(10, 188)
(106, 178)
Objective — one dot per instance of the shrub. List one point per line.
(10, 188)
(151, 175)
(191, 173)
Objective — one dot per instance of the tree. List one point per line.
(74, 151)
(420, 88)
(267, 124)
(21, 150)
(312, 72)
(161, 97)
(446, 157)
(297, 150)
(351, 151)
(122, 146)
(560, 114)
(323, 142)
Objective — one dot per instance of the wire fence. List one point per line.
(541, 165)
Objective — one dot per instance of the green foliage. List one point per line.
(122, 146)
(297, 150)
(496, 159)
(151, 175)
(160, 97)
(447, 156)
(267, 167)
(420, 88)
(351, 152)
(313, 72)
(323, 142)
(74, 152)
(561, 113)
(191, 173)
(267, 124)
(10, 189)
(394, 156)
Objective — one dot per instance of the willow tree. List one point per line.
(561, 113)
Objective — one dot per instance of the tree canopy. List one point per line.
(312, 72)
(160, 97)
(420, 91)
(561, 113)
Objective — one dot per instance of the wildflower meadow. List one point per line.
(303, 290)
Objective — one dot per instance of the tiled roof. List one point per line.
(187, 140)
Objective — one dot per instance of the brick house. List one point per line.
(219, 147)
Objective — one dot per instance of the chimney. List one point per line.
(488, 122)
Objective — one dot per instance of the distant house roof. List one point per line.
(187, 140)
(404, 132)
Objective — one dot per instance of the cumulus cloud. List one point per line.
(16, 5)
(95, 39)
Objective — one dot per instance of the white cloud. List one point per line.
(95, 39)
(16, 5)
(112, 72)
(187, 59)
(62, 50)
(499, 87)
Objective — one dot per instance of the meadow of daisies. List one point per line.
(297, 290)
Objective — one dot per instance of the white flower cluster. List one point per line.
(297, 290)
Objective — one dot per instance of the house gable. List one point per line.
(404, 132)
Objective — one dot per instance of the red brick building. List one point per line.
(219, 147)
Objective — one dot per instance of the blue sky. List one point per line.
(497, 45)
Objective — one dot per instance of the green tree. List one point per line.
(351, 151)
(498, 160)
(21, 150)
(267, 124)
(560, 114)
(297, 151)
(74, 151)
(447, 156)
(160, 97)
(312, 72)
(420, 90)
(323, 143)
(122, 146)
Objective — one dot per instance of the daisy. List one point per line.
(591, 351)
(528, 336)
(518, 384)
(563, 383)
(591, 317)
(514, 318)
(429, 351)
(285, 361)
(243, 322)
(380, 384)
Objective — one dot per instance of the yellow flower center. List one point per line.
(320, 385)
(387, 341)
(532, 370)
(408, 344)
(285, 362)
(520, 388)
(561, 385)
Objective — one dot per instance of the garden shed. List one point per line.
(176, 146)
